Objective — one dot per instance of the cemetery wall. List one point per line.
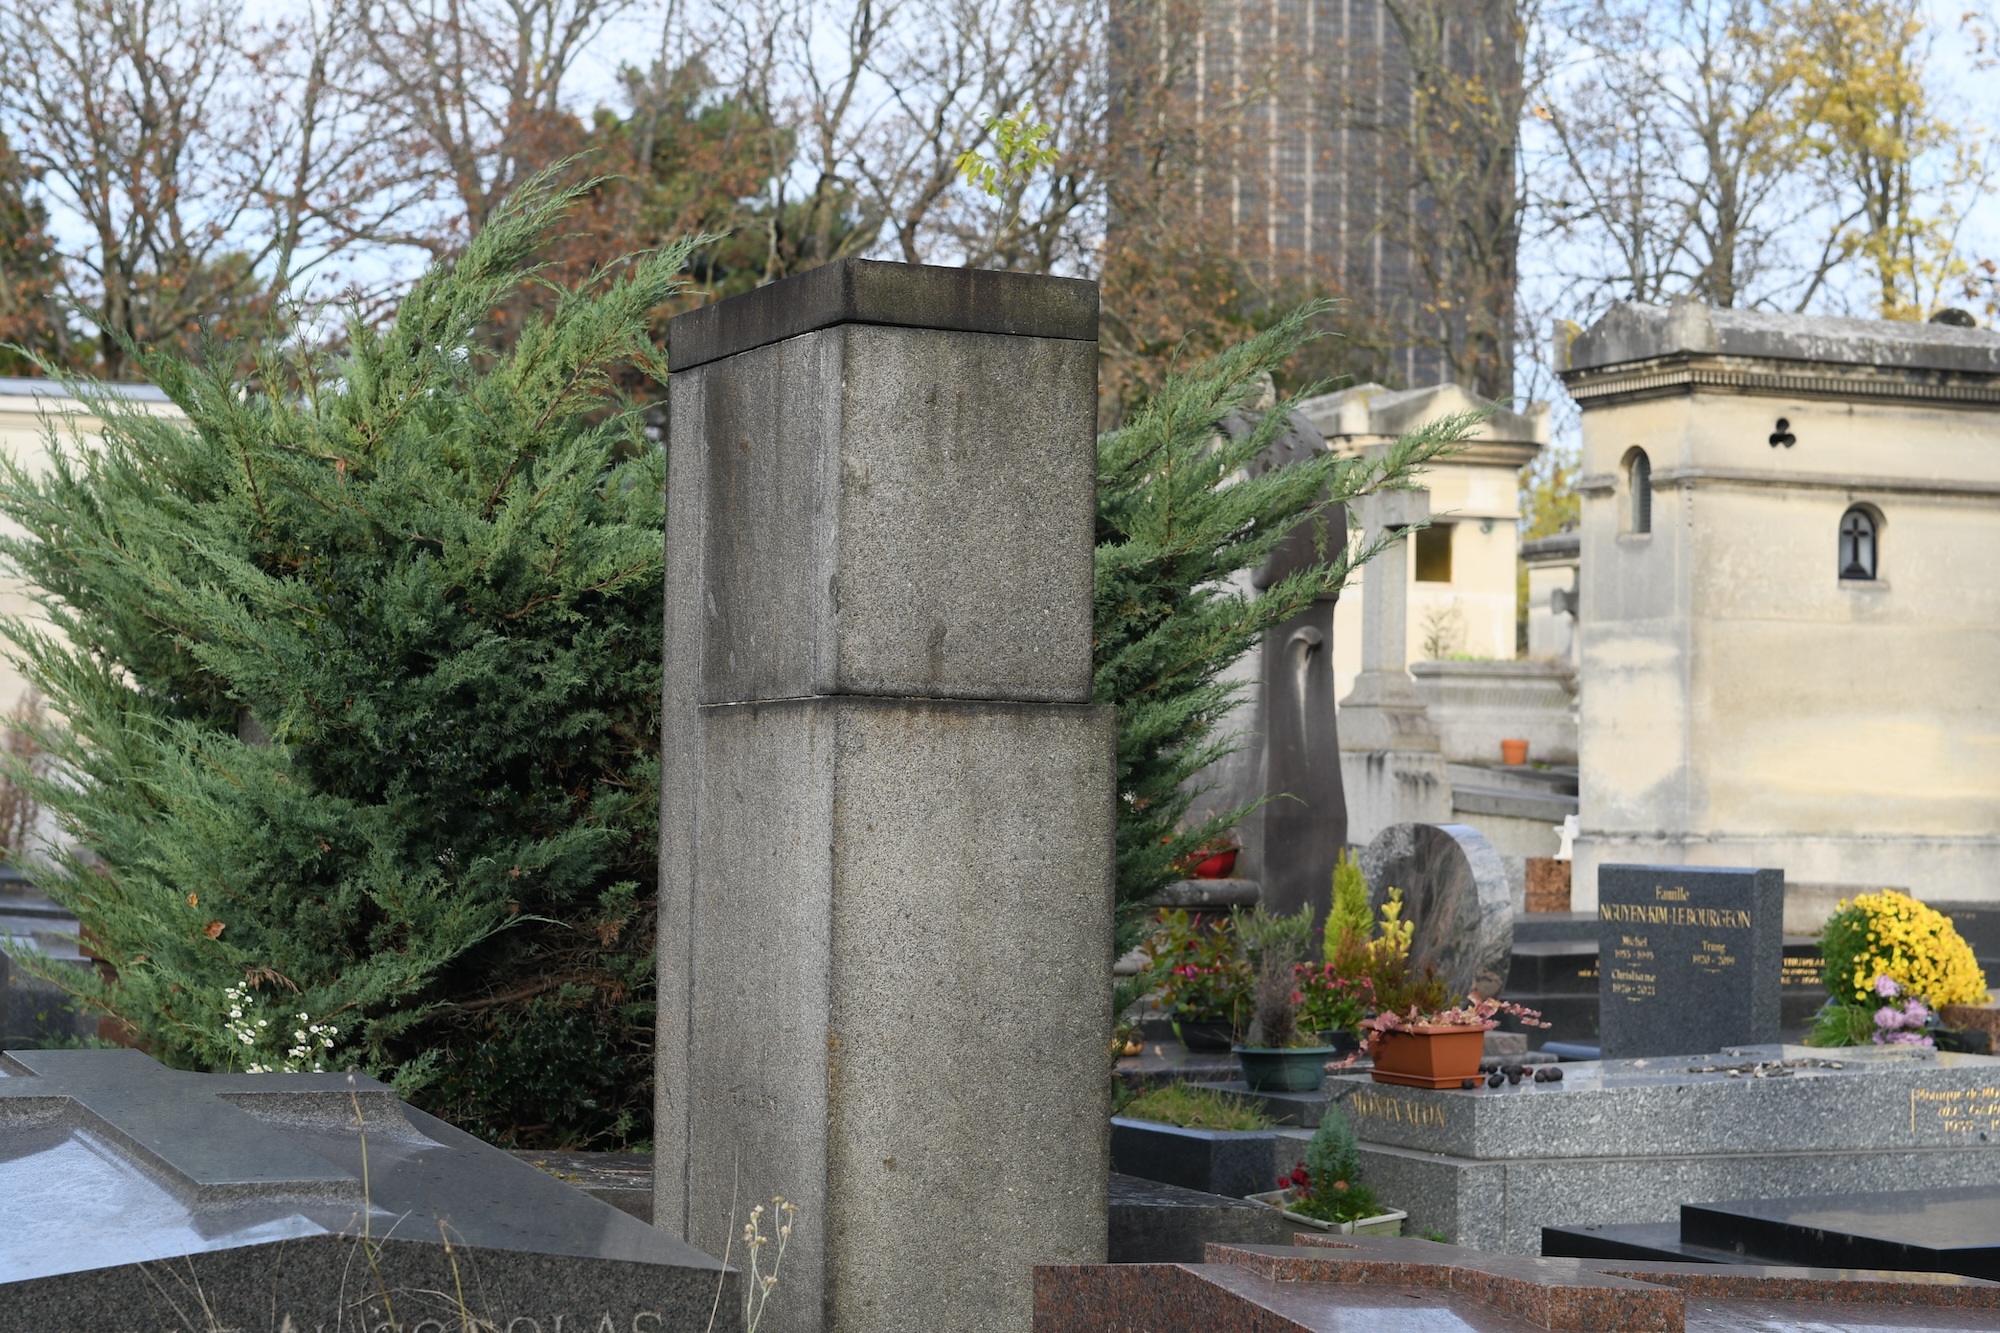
(1742, 703)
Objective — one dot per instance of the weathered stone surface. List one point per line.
(885, 894)
(867, 291)
(1631, 331)
(884, 456)
(1455, 891)
(1690, 958)
(144, 1197)
(1303, 830)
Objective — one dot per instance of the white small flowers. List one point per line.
(310, 1040)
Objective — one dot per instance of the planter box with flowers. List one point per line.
(1439, 1048)
(1388, 1223)
(1325, 1190)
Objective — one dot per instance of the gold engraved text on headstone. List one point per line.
(1956, 1110)
(1660, 914)
(1396, 1111)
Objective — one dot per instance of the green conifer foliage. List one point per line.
(1179, 512)
(359, 671)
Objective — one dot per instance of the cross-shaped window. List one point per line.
(1857, 544)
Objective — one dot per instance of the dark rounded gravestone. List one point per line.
(1455, 893)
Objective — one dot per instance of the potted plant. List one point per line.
(1338, 992)
(1201, 976)
(1331, 1005)
(1325, 1190)
(1215, 859)
(1891, 964)
(1437, 1048)
(1279, 1054)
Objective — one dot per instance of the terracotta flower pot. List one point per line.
(1513, 752)
(1218, 864)
(1428, 1057)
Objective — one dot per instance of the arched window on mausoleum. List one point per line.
(1639, 477)
(1858, 531)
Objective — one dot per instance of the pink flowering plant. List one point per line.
(1893, 1016)
(1198, 968)
(1908, 1023)
(1474, 1012)
(1331, 1002)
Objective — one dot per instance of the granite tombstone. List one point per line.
(1455, 893)
(1629, 1141)
(1690, 958)
(141, 1197)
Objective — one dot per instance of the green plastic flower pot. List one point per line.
(1286, 1069)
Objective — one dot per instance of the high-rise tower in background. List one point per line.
(1363, 149)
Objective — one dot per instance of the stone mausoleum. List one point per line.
(1787, 624)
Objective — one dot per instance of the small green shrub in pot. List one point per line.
(1327, 1184)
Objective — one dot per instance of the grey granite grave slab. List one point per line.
(1235, 1163)
(1456, 893)
(1152, 1223)
(140, 1197)
(1690, 958)
(1631, 1140)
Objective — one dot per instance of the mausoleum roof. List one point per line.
(1631, 331)
(1372, 409)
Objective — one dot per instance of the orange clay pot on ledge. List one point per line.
(1429, 1056)
(1513, 753)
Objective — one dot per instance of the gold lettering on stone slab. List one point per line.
(1660, 914)
(1804, 971)
(1629, 975)
(1670, 895)
(1956, 1110)
(1396, 1111)
(1712, 956)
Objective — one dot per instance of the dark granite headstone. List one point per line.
(143, 1197)
(1690, 958)
(1455, 892)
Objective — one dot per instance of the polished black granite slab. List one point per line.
(132, 1189)
(1920, 1231)
(1924, 1231)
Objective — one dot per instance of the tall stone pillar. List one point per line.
(1390, 763)
(886, 799)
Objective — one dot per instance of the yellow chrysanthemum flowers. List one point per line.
(1890, 934)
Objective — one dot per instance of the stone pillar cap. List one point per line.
(869, 291)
